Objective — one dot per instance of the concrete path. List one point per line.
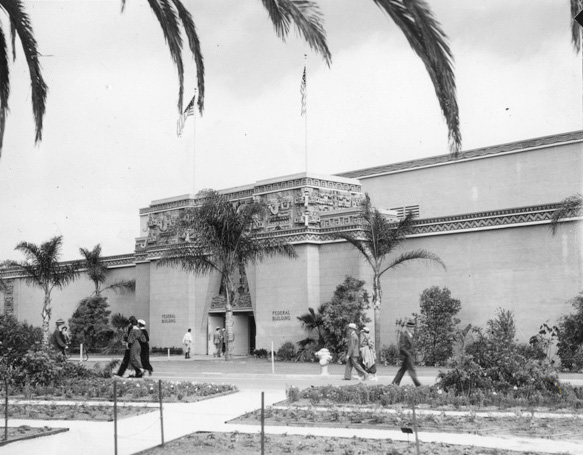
(142, 432)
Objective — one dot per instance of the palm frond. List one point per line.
(169, 22)
(428, 40)
(576, 7)
(411, 256)
(4, 85)
(21, 22)
(194, 44)
(121, 286)
(570, 206)
(306, 17)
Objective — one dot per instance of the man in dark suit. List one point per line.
(406, 355)
(353, 354)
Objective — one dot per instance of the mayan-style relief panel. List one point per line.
(9, 297)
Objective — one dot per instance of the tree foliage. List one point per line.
(97, 272)
(413, 17)
(437, 325)
(349, 304)
(89, 323)
(570, 344)
(377, 239)
(220, 238)
(313, 321)
(42, 268)
(16, 338)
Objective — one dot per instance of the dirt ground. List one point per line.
(247, 444)
(72, 412)
(24, 432)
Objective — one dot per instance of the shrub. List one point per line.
(570, 344)
(436, 332)
(260, 353)
(17, 338)
(37, 368)
(349, 304)
(287, 351)
(389, 355)
(89, 323)
(496, 362)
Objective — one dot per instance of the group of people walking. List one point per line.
(137, 349)
(361, 354)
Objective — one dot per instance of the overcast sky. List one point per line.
(110, 145)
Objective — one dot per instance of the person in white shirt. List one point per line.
(187, 342)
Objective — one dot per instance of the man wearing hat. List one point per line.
(352, 355)
(57, 339)
(218, 342)
(406, 355)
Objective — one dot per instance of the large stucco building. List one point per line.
(485, 213)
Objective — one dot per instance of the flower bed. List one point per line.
(94, 388)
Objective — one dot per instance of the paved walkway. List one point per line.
(142, 432)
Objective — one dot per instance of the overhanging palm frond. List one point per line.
(576, 7)
(570, 207)
(169, 22)
(4, 85)
(413, 255)
(305, 15)
(428, 40)
(21, 23)
(194, 44)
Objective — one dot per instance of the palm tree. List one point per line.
(414, 17)
(221, 239)
(376, 239)
(571, 206)
(43, 269)
(313, 320)
(97, 272)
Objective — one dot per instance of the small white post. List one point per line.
(168, 353)
(81, 352)
(272, 360)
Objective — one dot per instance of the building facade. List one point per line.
(485, 213)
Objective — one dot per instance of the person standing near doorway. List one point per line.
(218, 342)
(187, 342)
(406, 349)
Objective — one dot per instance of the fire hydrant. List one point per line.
(324, 358)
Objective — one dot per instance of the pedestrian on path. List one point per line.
(218, 342)
(57, 339)
(406, 349)
(145, 348)
(224, 341)
(187, 342)
(126, 355)
(353, 355)
(136, 337)
(368, 354)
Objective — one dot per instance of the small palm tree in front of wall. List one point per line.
(312, 321)
(42, 268)
(97, 272)
(377, 239)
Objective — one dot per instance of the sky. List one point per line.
(110, 145)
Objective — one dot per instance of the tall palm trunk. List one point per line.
(46, 315)
(376, 301)
(232, 295)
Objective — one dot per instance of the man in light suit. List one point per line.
(353, 354)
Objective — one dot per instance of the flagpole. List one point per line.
(306, 116)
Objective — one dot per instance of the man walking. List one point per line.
(187, 342)
(406, 355)
(353, 354)
(218, 342)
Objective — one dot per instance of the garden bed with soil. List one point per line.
(250, 444)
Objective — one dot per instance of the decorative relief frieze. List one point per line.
(9, 297)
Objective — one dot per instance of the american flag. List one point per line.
(303, 92)
(182, 119)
